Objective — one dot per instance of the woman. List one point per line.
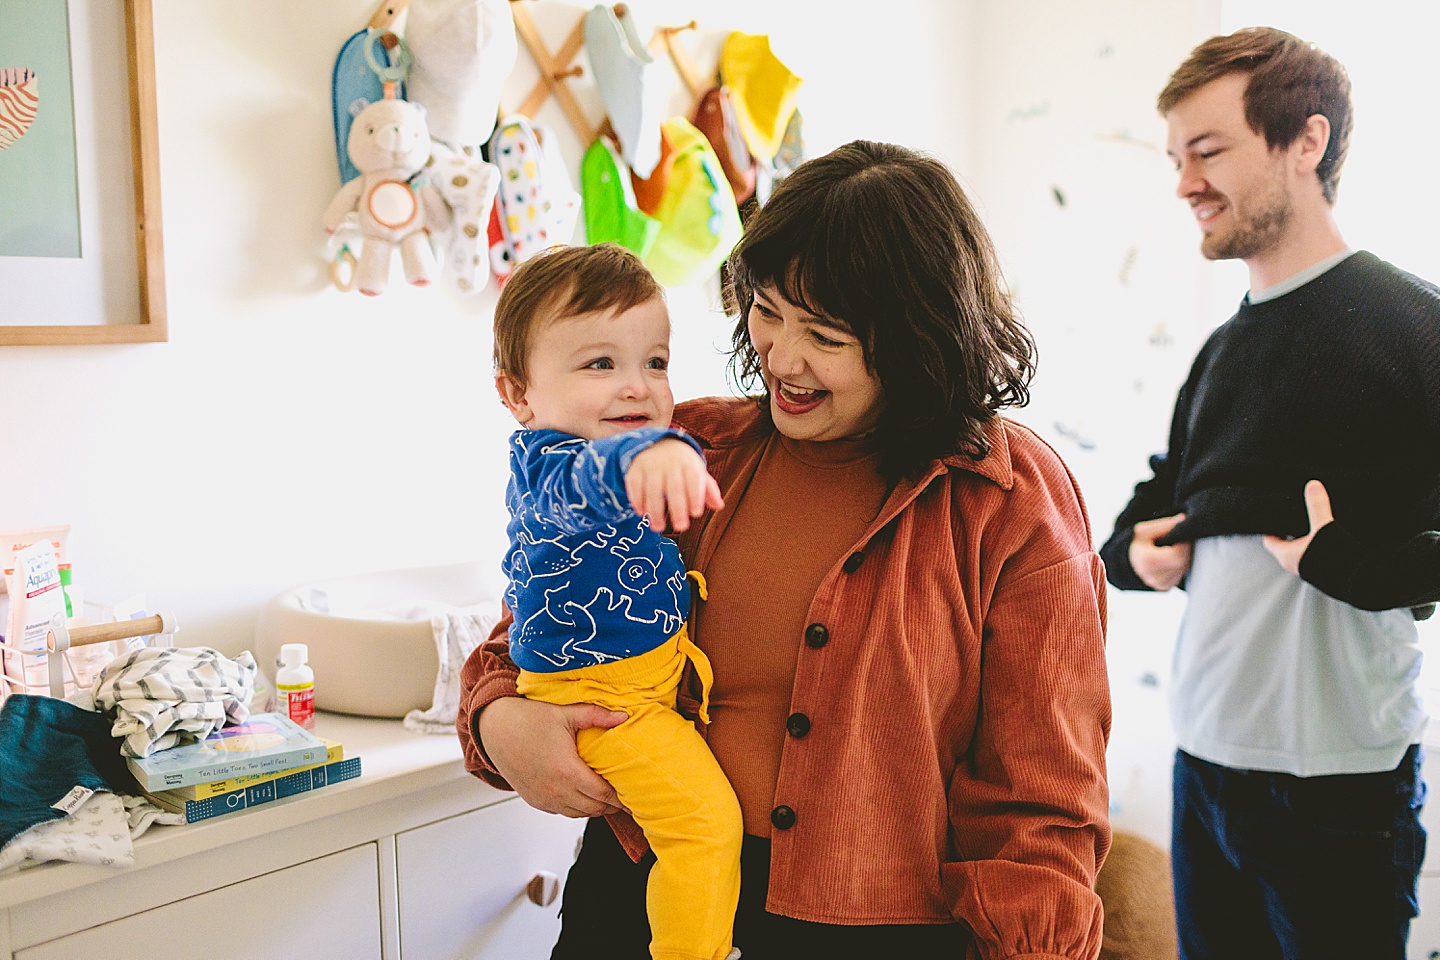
(905, 614)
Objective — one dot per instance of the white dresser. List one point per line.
(415, 860)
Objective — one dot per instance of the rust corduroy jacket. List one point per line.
(954, 676)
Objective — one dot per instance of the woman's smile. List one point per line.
(794, 400)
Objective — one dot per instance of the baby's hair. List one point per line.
(565, 282)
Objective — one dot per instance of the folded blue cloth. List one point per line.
(47, 748)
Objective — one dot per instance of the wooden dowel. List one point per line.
(678, 56)
(386, 14)
(121, 630)
(574, 42)
(553, 72)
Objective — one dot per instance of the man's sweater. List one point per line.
(1337, 380)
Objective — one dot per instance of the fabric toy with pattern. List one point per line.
(462, 51)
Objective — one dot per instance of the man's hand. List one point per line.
(1159, 567)
(1288, 552)
(670, 478)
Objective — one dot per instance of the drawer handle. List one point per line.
(543, 888)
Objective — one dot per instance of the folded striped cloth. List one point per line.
(162, 697)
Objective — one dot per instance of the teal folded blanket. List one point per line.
(48, 748)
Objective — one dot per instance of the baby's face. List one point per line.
(600, 373)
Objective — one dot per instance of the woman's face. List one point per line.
(814, 368)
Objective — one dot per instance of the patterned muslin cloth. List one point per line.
(457, 633)
(102, 831)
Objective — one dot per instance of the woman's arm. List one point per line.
(532, 745)
(1029, 803)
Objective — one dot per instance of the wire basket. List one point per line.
(61, 668)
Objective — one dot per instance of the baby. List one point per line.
(582, 342)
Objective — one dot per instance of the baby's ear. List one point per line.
(512, 394)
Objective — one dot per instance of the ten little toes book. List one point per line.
(266, 743)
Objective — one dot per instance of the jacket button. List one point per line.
(816, 635)
(782, 817)
(798, 724)
(852, 562)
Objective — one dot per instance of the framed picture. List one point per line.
(81, 253)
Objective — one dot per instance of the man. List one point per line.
(1296, 828)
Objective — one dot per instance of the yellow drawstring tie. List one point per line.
(701, 662)
(699, 579)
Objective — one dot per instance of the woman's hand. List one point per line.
(532, 745)
(1288, 552)
(1159, 567)
(670, 477)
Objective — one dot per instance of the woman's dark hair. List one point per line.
(883, 239)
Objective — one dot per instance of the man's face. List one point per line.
(1237, 187)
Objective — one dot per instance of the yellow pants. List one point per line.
(669, 780)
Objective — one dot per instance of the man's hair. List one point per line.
(565, 282)
(883, 239)
(1290, 82)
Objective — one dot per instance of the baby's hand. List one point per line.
(671, 477)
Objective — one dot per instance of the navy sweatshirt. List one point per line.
(1337, 380)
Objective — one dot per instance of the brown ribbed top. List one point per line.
(808, 503)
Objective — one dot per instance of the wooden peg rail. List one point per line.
(555, 69)
(684, 65)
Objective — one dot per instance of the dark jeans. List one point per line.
(1270, 866)
(603, 914)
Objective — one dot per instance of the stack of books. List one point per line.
(268, 757)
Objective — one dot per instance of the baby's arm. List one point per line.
(579, 484)
(670, 477)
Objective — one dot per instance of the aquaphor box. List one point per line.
(36, 597)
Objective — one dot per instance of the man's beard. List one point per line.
(1257, 224)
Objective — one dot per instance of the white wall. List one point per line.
(1385, 202)
(288, 432)
(1111, 285)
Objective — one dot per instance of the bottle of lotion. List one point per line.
(295, 684)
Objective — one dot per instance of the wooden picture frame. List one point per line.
(150, 325)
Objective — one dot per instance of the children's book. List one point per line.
(213, 788)
(266, 743)
(287, 785)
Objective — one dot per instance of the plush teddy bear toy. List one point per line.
(389, 143)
